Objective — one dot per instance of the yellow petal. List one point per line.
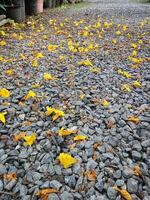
(66, 160)
(4, 93)
(124, 193)
(30, 94)
(48, 77)
(63, 132)
(105, 103)
(49, 110)
(80, 137)
(134, 119)
(30, 139)
(126, 88)
(2, 117)
(39, 55)
(137, 84)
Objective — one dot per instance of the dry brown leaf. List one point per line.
(91, 175)
(97, 144)
(137, 171)
(44, 193)
(17, 137)
(26, 123)
(10, 176)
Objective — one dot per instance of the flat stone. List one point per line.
(146, 143)
(132, 185)
(53, 197)
(112, 194)
(55, 184)
(136, 155)
(66, 196)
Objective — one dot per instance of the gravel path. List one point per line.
(90, 61)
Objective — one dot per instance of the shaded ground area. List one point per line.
(83, 69)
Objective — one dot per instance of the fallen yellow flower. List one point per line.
(4, 93)
(29, 139)
(30, 94)
(2, 43)
(134, 119)
(35, 63)
(2, 117)
(63, 132)
(66, 160)
(52, 47)
(39, 55)
(48, 77)
(137, 84)
(86, 62)
(9, 72)
(105, 103)
(80, 137)
(124, 193)
(57, 113)
(126, 88)
(133, 45)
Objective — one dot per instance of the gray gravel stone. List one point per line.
(136, 155)
(1, 185)
(146, 143)
(127, 173)
(66, 196)
(55, 184)
(112, 194)
(132, 185)
(53, 197)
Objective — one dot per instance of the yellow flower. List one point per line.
(20, 37)
(39, 55)
(52, 47)
(57, 113)
(66, 160)
(133, 45)
(35, 63)
(29, 139)
(22, 56)
(134, 119)
(63, 132)
(30, 44)
(118, 32)
(137, 84)
(3, 33)
(126, 88)
(86, 62)
(136, 60)
(120, 71)
(134, 53)
(80, 137)
(4, 93)
(127, 75)
(9, 72)
(105, 103)
(125, 28)
(140, 41)
(2, 117)
(1, 58)
(114, 41)
(2, 43)
(124, 193)
(95, 70)
(35, 85)
(30, 94)
(82, 95)
(48, 77)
